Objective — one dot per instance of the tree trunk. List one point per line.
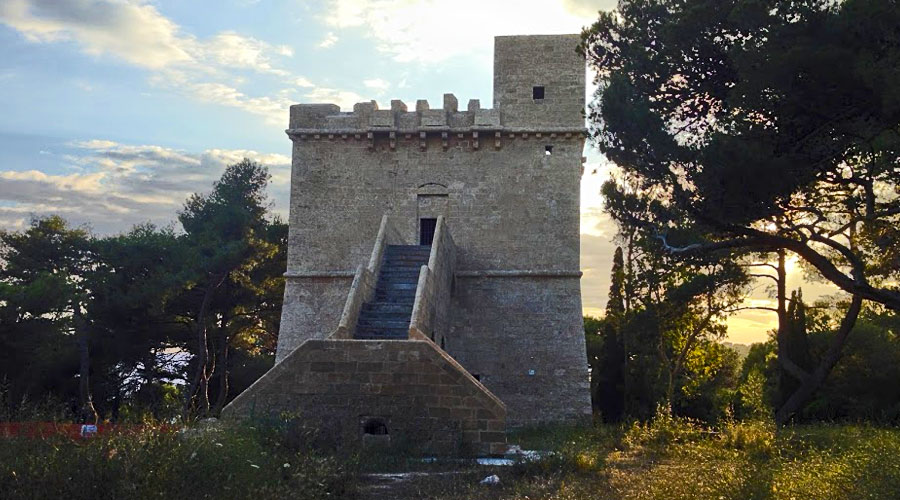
(781, 333)
(87, 414)
(813, 381)
(223, 376)
(199, 382)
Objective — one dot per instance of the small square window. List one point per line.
(537, 92)
(548, 150)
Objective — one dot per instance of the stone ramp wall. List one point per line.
(431, 310)
(422, 395)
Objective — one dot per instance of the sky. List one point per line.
(114, 111)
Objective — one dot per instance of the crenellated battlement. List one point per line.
(366, 117)
(367, 122)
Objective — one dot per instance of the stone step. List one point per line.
(411, 272)
(381, 333)
(386, 307)
(398, 281)
(382, 319)
(387, 316)
(383, 324)
(407, 248)
(404, 272)
(413, 254)
(404, 262)
(394, 285)
(404, 301)
(388, 295)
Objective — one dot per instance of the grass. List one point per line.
(666, 459)
(249, 462)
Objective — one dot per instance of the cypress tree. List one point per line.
(609, 396)
(796, 347)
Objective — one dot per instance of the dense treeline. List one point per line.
(630, 358)
(738, 146)
(153, 322)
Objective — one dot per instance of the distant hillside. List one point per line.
(742, 349)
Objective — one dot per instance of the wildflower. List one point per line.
(287, 465)
(220, 445)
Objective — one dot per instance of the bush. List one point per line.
(663, 430)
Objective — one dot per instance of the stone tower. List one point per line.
(433, 264)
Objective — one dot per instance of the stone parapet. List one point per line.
(366, 118)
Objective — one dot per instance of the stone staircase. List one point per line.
(387, 316)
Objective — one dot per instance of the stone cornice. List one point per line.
(486, 273)
(358, 133)
(518, 273)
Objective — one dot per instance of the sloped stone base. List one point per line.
(410, 389)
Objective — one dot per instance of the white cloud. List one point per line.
(303, 82)
(229, 49)
(432, 31)
(377, 84)
(273, 109)
(588, 8)
(83, 85)
(137, 33)
(329, 40)
(343, 98)
(118, 185)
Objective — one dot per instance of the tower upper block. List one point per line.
(539, 81)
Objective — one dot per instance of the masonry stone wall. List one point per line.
(506, 179)
(521, 63)
(523, 337)
(423, 397)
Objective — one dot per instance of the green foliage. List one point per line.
(862, 385)
(735, 136)
(237, 462)
(233, 286)
(751, 397)
(124, 310)
(795, 346)
(663, 430)
(666, 458)
(657, 342)
(608, 381)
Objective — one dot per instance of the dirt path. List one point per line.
(424, 485)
